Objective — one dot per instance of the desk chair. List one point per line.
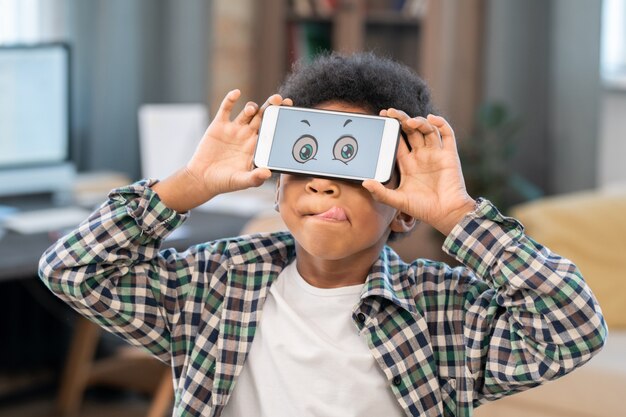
(130, 368)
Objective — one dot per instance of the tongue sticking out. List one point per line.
(334, 213)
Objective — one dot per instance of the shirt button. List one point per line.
(396, 380)
(361, 318)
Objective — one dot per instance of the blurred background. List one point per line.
(92, 91)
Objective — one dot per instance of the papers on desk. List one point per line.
(246, 203)
(91, 188)
(45, 220)
(6, 211)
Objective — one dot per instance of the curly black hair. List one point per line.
(363, 79)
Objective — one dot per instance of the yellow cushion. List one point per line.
(588, 228)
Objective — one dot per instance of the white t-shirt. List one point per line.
(307, 358)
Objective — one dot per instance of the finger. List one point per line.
(287, 102)
(253, 178)
(259, 175)
(448, 139)
(384, 195)
(403, 149)
(226, 107)
(415, 137)
(401, 156)
(249, 145)
(383, 113)
(248, 112)
(274, 100)
(412, 126)
(409, 126)
(397, 114)
(432, 137)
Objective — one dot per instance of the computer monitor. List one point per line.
(35, 119)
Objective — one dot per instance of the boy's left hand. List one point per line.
(431, 186)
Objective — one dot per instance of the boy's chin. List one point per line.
(329, 249)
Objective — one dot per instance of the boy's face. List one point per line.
(333, 219)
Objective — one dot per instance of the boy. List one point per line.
(326, 320)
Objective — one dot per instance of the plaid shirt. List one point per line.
(447, 339)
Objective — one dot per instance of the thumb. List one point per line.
(383, 194)
(253, 178)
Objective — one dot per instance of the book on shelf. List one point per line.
(325, 8)
(415, 7)
(405, 7)
(314, 8)
(302, 8)
(306, 40)
(385, 5)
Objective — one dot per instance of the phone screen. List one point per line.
(326, 143)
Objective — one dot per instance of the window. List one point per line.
(613, 52)
(30, 21)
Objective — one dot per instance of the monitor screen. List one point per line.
(34, 105)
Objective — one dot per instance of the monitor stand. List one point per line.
(56, 179)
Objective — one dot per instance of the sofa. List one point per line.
(590, 229)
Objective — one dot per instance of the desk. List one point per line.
(19, 254)
(19, 258)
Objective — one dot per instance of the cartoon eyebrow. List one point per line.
(347, 121)
(306, 121)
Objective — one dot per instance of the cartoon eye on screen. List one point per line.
(327, 143)
(304, 149)
(344, 149)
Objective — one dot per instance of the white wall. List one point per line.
(575, 92)
(516, 74)
(543, 60)
(126, 53)
(612, 144)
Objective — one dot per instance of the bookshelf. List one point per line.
(254, 43)
(288, 30)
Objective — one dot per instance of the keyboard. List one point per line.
(45, 220)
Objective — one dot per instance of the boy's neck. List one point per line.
(335, 273)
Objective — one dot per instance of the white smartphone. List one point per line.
(349, 146)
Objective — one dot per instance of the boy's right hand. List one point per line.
(222, 161)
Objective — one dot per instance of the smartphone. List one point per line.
(348, 146)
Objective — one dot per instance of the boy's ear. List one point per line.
(402, 223)
(277, 194)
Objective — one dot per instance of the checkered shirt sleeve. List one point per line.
(537, 314)
(111, 271)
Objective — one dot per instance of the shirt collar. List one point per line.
(276, 248)
(384, 280)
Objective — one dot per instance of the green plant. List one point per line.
(487, 156)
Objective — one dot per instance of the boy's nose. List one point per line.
(322, 186)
